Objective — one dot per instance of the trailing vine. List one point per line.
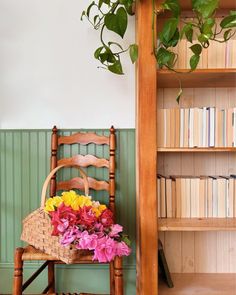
(113, 16)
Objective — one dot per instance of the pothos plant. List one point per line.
(200, 31)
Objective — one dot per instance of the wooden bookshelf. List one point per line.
(196, 150)
(202, 284)
(197, 224)
(200, 78)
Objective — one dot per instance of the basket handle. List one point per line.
(50, 175)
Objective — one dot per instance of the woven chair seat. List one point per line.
(31, 253)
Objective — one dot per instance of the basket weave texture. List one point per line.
(37, 228)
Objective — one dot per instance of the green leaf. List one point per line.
(196, 49)
(202, 38)
(232, 12)
(194, 60)
(207, 27)
(117, 22)
(133, 52)
(116, 68)
(173, 6)
(188, 32)
(173, 41)
(227, 34)
(168, 30)
(126, 240)
(228, 21)
(89, 8)
(205, 7)
(97, 52)
(179, 95)
(165, 57)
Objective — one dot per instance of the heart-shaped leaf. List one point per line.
(133, 52)
(196, 49)
(194, 60)
(117, 22)
(228, 21)
(116, 68)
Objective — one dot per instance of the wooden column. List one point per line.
(147, 264)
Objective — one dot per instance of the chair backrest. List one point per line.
(85, 161)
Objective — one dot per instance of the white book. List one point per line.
(214, 198)
(204, 127)
(212, 127)
(221, 185)
(200, 127)
(181, 127)
(191, 128)
(194, 188)
(165, 129)
(196, 130)
(231, 198)
(168, 198)
(207, 127)
(209, 197)
(224, 128)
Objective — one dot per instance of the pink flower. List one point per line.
(105, 250)
(70, 236)
(63, 226)
(87, 241)
(115, 230)
(106, 218)
(122, 249)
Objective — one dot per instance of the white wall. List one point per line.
(48, 74)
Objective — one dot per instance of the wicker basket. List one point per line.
(37, 227)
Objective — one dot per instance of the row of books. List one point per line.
(196, 197)
(196, 127)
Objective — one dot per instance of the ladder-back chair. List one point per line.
(29, 253)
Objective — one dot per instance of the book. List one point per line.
(229, 127)
(160, 128)
(181, 143)
(177, 127)
(202, 197)
(158, 197)
(173, 193)
(214, 197)
(163, 197)
(211, 127)
(221, 189)
(186, 127)
(209, 197)
(168, 198)
(191, 128)
(172, 127)
(178, 197)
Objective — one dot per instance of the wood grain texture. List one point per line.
(77, 183)
(197, 224)
(83, 138)
(147, 264)
(85, 161)
(199, 78)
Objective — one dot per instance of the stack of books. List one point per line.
(196, 197)
(196, 127)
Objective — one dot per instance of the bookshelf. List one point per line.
(199, 78)
(206, 260)
(196, 150)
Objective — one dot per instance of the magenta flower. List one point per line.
(115, 230)
(70, 236)
(122, 249)
(87, 241)
(105, 250)
(63, 225)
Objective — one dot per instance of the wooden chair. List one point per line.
(29, 253)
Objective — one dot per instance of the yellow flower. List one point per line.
(96, 212)
(102, 208)
(51, 203)
(99, 209)
(84, 201)
(75, 201)
(69, 198)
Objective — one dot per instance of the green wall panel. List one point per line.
(24, 164)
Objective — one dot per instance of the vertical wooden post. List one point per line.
(51, 276)
(118, 272)
(18, 272)
(147, 237)
(54, 147)
(112, 189)
(112, 168)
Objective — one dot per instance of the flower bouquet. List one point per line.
(88, 225)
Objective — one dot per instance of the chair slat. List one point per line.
(83, 138)
(85, 161)
(77, 183)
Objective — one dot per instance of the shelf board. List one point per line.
(205, 284)
(196, 150)
(198, 78)
(197, 224)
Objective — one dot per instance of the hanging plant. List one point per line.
(113, 16)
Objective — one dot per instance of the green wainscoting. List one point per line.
(24, 164)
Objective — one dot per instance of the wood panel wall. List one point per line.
(200, 252)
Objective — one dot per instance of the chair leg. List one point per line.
(18, 272)
(51, 276)
(118, 275)
(112, 279)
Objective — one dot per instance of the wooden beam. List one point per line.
(147, 264)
